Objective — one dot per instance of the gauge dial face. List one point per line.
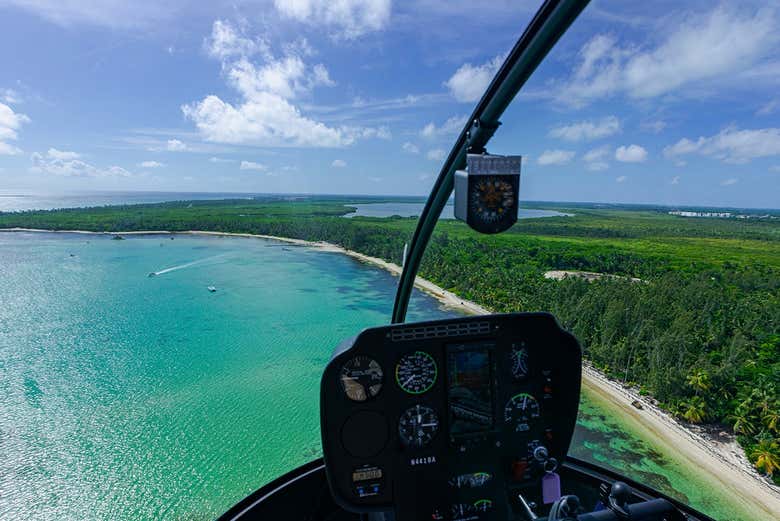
(483, 505)
(417, 426)
(416, 372)
(491, 198)
(521, 411)
(361, 378)
(519, 362)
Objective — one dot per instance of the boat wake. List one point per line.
(187, 265)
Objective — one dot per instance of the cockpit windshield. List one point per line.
(198, 204)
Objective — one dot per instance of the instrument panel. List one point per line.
(449, 420)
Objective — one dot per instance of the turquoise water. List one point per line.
(130, 397)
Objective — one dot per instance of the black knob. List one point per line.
(620, 492)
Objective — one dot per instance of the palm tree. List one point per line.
(695, 411)
(772, 419)
(700, 381)
(743, 423)
(766, 454)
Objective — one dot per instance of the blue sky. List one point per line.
(656, 102)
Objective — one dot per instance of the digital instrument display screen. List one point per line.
(469, 388)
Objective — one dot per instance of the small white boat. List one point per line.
(212, 289)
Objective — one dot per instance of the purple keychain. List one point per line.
(551, 488)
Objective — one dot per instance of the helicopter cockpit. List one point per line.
(464, 419)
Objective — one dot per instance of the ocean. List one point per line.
(130, 397)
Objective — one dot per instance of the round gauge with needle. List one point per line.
(492, 198)
(521, 410)
(417, 426)
(361, 378)
(416, 372)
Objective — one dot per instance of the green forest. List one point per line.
(699, 331)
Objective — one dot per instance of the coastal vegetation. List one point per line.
(699, 331)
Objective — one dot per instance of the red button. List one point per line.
(518, 469)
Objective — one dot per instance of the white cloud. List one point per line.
(10, 122)
(731, 145)
(631, 154)
(675, 180)
(555, 157)
(597, 166)
(67, 164)
(174, 145)
(226, 41)
(266, 115)
(220, 160)
(352, 18)
(449, 128)
(470, 81)
(621, 179)
(700, 48)
(436, 154)
(338, 163)
(107, 13)
(729, 182)
(150, 164)
(587, 130)
(251, 165)
(61, 154)
(410, 148)
(597, 154)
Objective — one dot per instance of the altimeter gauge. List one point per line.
(361, 378)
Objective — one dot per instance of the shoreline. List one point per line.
(722, 460)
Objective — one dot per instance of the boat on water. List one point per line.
(212, 289)
(466, 419)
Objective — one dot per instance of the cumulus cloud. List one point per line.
(62, 154)
(226, 42)
(174, 145)
(266, 114)
(730, 145)
(621, 179)
(729, 182)
(150, 164)
(10, 122)
(338, 163)
(410, 148)
(470, 81)
(587, 130)
(449, 128)
(722, 43)
(220, 160)
(251, 165)
(68, 164)
(351, 18)
(555, 157)
(631, 154)
(10, 96)
(436, 154)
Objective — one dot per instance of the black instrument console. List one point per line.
(452, 419)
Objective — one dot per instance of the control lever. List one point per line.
(528, 508)
(617, 501)
(566, 507)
